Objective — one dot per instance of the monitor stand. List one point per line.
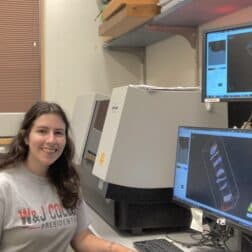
(246, 243)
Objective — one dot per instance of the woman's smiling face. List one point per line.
(46, 142)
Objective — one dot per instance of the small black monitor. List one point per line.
(226, 66)
(213, 172)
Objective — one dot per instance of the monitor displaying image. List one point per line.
(227, 60)
(213, 173)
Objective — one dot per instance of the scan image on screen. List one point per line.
(227, 60)
(219, 171)
(217, 53)
(217, 174)
(239, 71)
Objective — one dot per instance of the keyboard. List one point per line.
(156, 245)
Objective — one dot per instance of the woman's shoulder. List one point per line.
(7, 175)
(5, 183)
(8, 183)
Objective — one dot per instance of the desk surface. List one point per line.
(102, 229)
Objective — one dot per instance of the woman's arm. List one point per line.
(88, 242)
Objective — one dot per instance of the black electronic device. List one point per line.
(126, 172)
(213, 173)
(126, 208)
(227, 60)
(156, 245)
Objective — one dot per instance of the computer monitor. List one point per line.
(214, 173)
(227, 60)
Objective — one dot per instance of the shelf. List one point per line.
(182, 19)
(5, 141)
(139, 37)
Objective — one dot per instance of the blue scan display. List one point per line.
(213, 172)
(227, 60)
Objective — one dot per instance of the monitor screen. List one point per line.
(227, 61)
(214, 173)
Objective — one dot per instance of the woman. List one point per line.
(41, 208)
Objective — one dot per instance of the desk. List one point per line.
(101, 228)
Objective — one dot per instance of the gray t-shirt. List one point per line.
(32, 218)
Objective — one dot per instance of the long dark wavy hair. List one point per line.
(61, 173)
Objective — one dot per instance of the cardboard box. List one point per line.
(127, 18)
(116, 5)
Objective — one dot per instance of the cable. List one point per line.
(215, 238)
(247, 238)
(185, 244)
(246, 123)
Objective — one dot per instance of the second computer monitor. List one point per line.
(214, 173)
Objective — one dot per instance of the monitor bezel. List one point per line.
(207, 212)
(204, 97)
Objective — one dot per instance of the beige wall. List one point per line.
(171, 62)
(75, 62)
